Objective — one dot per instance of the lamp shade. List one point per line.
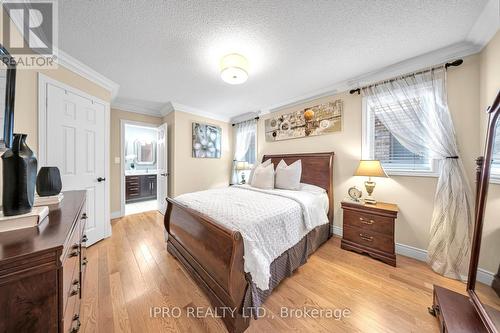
(370, 168)
(242, 165)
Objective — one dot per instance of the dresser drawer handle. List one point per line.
(362, 220)
(85, 261)
(84, 239)
(84, 216)
(75, 289)
(366, 238)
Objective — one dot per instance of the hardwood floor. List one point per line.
(131, 273)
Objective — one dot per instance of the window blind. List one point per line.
(387, 149)
(496, 152)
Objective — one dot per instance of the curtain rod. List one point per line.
(256, 118)
(454, 63)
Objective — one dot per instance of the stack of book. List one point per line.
(31, 219)
(46, 201)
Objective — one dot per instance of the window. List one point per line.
(380, 144)
(251, 155)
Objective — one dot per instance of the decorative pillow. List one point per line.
(265, 163)
(263, 177)
(288, 176)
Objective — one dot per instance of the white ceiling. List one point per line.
(165, 53)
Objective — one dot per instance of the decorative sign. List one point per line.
(317, 120)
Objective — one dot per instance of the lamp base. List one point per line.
(370, 201)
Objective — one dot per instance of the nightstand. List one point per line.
(370, 229)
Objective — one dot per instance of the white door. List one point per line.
(162, 177)
(76, 144)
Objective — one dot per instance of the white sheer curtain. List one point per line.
(245, 132)
(425, 126)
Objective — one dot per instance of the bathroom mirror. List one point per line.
(145, 152)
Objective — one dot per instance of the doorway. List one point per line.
(143, 160)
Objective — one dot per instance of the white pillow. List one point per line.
(263, 177)
(265, 163)
(311, 188)
(288, 176)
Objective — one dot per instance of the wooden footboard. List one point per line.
(213, 255)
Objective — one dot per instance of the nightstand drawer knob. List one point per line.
(362, 220)
(366, 238)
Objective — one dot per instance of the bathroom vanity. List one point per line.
(140, 187)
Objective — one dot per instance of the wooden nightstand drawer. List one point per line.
(371, 239)
(369, 229)
(369, 222)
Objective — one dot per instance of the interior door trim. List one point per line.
(43, 83)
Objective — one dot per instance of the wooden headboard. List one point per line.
(317, 169)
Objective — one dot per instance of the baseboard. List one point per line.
(115, 215)
(483, 275)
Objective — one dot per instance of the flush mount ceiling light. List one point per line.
(233, 69)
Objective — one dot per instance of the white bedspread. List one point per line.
(270, 221)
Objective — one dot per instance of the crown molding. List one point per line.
(124, 106)
(486, 25)
(86, 72)
(429, 59)
(198, 112)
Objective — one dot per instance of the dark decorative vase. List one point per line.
(48, 181)
(19, 177)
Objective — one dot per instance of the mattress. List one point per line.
(270, 221)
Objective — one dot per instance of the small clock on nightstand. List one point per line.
(369, 228)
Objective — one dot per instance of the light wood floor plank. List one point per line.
(131, 272)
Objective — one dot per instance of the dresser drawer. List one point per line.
(369, 222)
(369, 239)
(71, 265)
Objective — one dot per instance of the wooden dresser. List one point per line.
(42, 271)
(370, 229)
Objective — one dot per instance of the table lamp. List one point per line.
(242, 166)
(370, 168)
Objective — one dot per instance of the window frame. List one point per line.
(367, 149)
(495, 176)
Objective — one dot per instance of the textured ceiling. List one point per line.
(169, 51)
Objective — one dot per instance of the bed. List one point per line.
(213, 253)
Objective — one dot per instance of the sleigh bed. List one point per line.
(213, 254)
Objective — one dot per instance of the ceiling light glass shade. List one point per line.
(234, 69)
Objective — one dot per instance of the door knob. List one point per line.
(100, 179)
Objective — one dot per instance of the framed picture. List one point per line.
(206, 141)
(320, 119)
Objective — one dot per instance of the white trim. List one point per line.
(198, 112)
(116, 215)
(124, 122)
(86, 72)
(124, 106)
(483, 275)
(43, 82)
(487, 24)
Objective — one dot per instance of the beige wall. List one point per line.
(115, 150)
(195, 174)
(489, 86)
(414, 195)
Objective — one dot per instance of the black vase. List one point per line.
(19, 177)
(48, 181)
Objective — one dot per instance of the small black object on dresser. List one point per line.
(48, 181)
(369, 229)
(19, 177)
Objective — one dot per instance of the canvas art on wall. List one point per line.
(317, 120)
(206, 141)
